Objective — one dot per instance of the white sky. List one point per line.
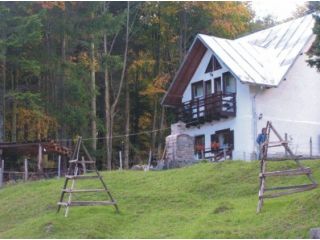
(281, 9)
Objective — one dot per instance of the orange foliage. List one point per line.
(145, 121)
(158, 85)
(50, 5)
(34, 125)
(85, 59)
(228, 18)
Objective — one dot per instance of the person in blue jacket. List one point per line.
(262, 137)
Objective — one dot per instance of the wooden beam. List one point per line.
(40, 159)
(83, 190)
(296, 190)
(291, 172)
(26, 169)
(87, 203)
(59, 166)
(290, 187)
(81, 177)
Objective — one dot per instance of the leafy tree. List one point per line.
(314, 51)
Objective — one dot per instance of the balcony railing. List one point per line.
(206, 109)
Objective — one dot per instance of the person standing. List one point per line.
(262, 137)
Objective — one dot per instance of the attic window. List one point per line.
(213, 65)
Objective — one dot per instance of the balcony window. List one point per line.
(208, 87)
(217, 85)
(229, 83)
(197, 89)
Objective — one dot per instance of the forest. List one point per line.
(99, 69)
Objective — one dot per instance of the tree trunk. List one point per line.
(111, 108)
(3, 100)
(14, 121)
(127, 138)
(108, 114)
(63, 62)
(161, 140)
(93, 100)
(154, 125)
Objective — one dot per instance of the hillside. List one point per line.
(202, 201)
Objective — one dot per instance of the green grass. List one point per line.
(207, 200)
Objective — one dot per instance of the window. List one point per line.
(199, 146)
(216, 64)
(208, 89)
(213, 65)
(217, 84)
(215, 144)
(210, 66)
(229, 83)
(197, 89)
(225, 138)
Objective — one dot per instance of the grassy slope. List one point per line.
(202, 201)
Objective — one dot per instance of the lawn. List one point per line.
(206, 200)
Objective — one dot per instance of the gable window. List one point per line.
(213, 65)
(216, 64)
(197, 89)
(229, 83)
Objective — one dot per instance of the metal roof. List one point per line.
(263, 57)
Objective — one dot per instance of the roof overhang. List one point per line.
(173, 96)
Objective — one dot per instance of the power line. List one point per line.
(97, 138)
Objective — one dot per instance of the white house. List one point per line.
(226, 90)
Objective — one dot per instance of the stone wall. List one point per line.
(179, 147)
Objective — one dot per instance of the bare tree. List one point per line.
(110, 107)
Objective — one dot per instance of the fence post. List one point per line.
(40, 167)
(286, 139)
(59, 166)
(84, 166)
(224, 153)
(26, 169)
(150, 157)
(310, 147)
(120, 159)
(1, 173)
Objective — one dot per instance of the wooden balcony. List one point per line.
(206, 109)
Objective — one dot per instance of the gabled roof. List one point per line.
(261, 58)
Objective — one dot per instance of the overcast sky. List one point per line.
(281, 9)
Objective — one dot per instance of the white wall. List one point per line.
(294, 106)
(241, 124)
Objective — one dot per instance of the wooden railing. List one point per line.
(206, 109)
(215, 155)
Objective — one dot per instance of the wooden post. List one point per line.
(1, 173)
(285, 149)
(224, 153)
(59, 166)
(149, 160)
(40, 167)
(26, 170)
(310, 147)
(84, 166)
(120, 159)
